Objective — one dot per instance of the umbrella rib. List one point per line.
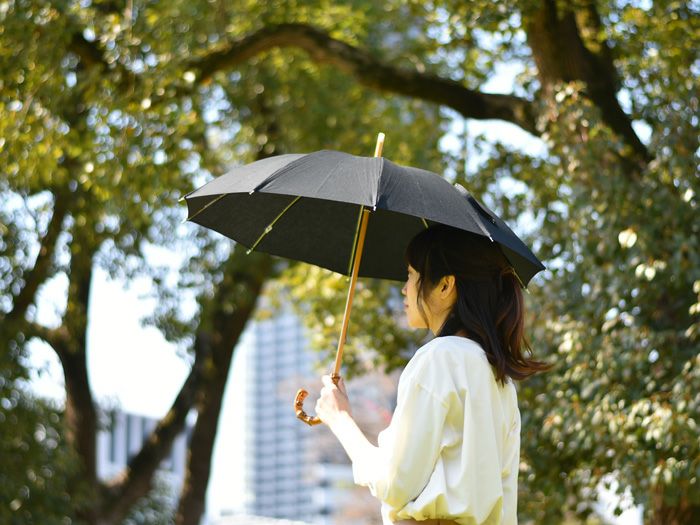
(213, 201)
(354, 241)
(520, 281)
(515, 272)
(268, 228)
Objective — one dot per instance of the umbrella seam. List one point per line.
(477, 219)
(379, 179)
(276, 174)
(294, 164)
(330, 172)
(422, 194)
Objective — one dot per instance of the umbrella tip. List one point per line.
(461, 189)
(181, 199)
(380, 144)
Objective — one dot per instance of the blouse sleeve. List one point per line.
(398, 469)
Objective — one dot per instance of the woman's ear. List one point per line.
(447, 285)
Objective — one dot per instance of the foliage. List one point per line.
(156, 508)
(38, 468)
(110, 112)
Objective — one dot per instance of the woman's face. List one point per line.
(410, 305)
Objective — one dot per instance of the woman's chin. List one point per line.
(416, 325)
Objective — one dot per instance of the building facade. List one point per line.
(123, 436)
(290, 470)
(280, 478)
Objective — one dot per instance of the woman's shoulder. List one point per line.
(448, 352)
(446, 365)
(451, 345)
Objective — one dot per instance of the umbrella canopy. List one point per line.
(308, 207)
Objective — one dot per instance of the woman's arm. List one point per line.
(399, 468)
(333, 407)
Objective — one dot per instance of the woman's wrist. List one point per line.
(338, 419)
(350, 436)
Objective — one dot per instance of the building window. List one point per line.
(113, 437)
(129, 424)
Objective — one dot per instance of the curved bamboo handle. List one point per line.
(299, 404)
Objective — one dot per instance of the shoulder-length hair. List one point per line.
(489, 305)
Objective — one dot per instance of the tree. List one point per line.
(97, 152)
(114, 109)
(38, 467)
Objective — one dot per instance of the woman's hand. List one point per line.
(333, 401)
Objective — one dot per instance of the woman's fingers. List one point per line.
(333, 399)
(328, 382)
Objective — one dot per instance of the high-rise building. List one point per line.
(277, 465)
(290, 470)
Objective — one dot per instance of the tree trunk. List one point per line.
(192, 500)
(225, 334)
(562, 54)
(80, 410)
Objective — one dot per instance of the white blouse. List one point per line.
(452, 449)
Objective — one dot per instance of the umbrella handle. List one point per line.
(357, 255)
(299, 405)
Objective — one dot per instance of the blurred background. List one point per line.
(148, 367)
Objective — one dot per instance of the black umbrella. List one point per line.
(350, 214)
(307, 207)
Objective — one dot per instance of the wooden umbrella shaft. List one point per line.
(351, 292)
(355, 271)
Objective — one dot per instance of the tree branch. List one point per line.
(39, 272)
(369, 71)
(357, 62)
(136, 480)
(55, 337)
(563, 54)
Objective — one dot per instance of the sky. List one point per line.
(117, 340)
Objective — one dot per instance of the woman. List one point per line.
(451, 452)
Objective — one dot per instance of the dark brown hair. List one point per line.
(489, 306)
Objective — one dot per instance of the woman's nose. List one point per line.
(403, 290)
